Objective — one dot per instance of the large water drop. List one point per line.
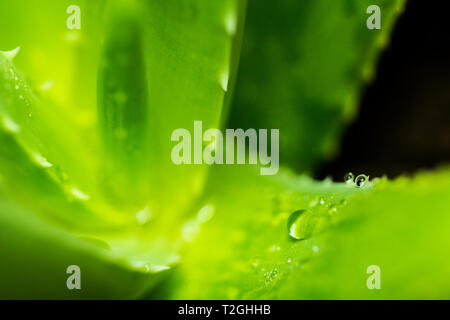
(293, 224)
(362, 180)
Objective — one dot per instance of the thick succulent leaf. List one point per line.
(35, 258)
(246, 251)
(187, 53)
(402, 227)
(157, 77)
(44, 160)
(160, 66)
(303, 71)
(59, 61)
(191, 49)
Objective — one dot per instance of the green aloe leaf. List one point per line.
(86, 176)
(85, 123)
(59, 62)
(400, 226)
(304, 70)
(105, 273)
(191, 68)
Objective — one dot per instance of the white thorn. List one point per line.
(11, 54)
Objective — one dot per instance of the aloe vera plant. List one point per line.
(86, 176)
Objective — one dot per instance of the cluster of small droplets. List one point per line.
(360, 181)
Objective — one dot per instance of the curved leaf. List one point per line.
(245, 251)
(303, 71)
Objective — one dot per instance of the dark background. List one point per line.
(404, 120)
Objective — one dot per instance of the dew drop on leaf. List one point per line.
(293, 224)
(362, 180)
(303, 224)
(349, 178)
(42, 161)
(271, 275)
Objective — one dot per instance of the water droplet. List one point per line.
(79, 194)
(16, 87)
(302, 224)
(42, 161)
(289, 260)
(293, 224)
(205, 213)
(315, 249)
(21, 97)
(143, 216)
(349, 178)
(270, 275)
(361, 180)
(30, 115)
